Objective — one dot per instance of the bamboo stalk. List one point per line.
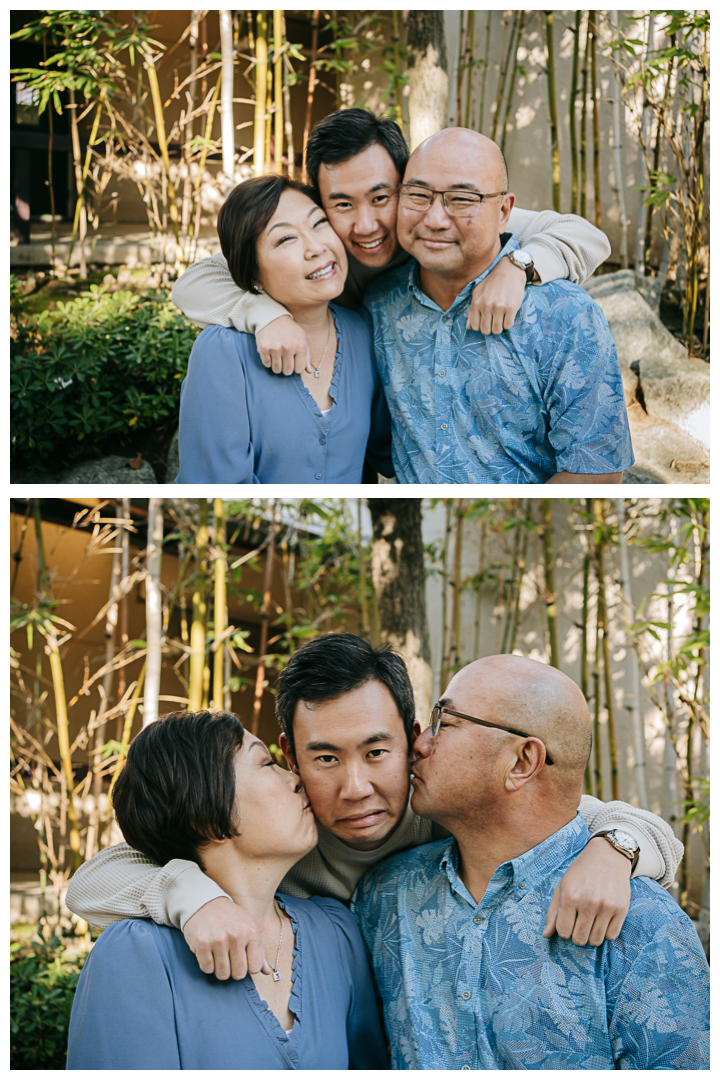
(80, 206)
(221, 616)
(444, 638)
(522, 565)
(583, 122)
(162, 143)
(584, 662)
(513, 77)
(153, 611)
(312, 77)
(603, 631)
(636, 721)
(260, 92)
(550, 595)
(286, 111)
(596, 119)
(268, 117)
(463, 50)
(514, 561)
(597, 664)
(480, 583)
(572, 110)
(364, 624)
(456, 589)
(618, 127)
(264, 622)
(195, 219)
(504, 60)
(227, 121)
(470, 65)
(397, 85)
(197, 628)
(486, 61)
(552, 102)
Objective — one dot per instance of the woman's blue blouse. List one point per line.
(241, 424)
(142, 1002)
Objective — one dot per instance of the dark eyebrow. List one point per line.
(463, 186)
(379, 736)
(260, 744)
(380, 186)
(289, 224)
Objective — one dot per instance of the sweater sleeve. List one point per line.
(123, 1014)
(366, 1042)
(562, 245)
(121, 883)
(214, 440)
(660, 849)
(207, 294)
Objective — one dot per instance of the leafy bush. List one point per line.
(98, 369)
(42, 988)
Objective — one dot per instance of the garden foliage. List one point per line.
(93, 372)
(42, 987)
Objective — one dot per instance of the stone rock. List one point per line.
(172, 462)
(108, 470)
(667, 452)
(678, 390)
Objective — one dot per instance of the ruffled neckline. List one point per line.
(295, 1001)
(333, 388)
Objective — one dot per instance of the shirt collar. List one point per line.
(508, 243)
(531, 869)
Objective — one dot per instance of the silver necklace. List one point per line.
(275, 972)
(316, 370)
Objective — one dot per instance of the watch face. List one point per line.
(624, 839)
(522, 257)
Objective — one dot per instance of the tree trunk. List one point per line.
(550, 594)
(264, 622)
(427, 71)
(153, 611)
(573, 116)
(552, 102)
(227, 124)
(261, 69)
(399, 580)
(197, 628)
(220, 608)
(635, 707)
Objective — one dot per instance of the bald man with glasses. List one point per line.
(540, 403)
(454, 928)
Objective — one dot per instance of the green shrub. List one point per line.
(98, 369)
(42, 988)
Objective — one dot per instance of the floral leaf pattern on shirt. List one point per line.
(543, 397)
(476, 985)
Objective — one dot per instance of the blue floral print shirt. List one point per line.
(475, 986)
(511, 408)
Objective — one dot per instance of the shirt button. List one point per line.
(466, 995)
(479, 919)
(443, 427)
(522, 885)
(442, 371)
(446, 318)
(464, 1067)
(318, 476)
(322, 440)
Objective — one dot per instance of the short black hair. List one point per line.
(242, 218)
(177, 789)
(331, 665)
(344, 134)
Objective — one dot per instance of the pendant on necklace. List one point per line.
(276, 975)
(317, 374)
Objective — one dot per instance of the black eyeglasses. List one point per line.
(457, 203)
(439, 709)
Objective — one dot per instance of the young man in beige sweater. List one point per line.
(348, 725)
(356, 162)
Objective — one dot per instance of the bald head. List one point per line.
(532, 697)
(482, 159)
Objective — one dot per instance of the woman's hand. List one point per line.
(592, 899)
(497, 299)
(225, 940)
(283, 346)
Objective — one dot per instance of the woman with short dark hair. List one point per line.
(197, 787)
(240, 424)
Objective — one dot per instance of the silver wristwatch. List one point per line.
(524, 261)
(626, 844)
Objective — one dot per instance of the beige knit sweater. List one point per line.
(120, 883)
(562, 246)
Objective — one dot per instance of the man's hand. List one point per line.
(283, 346)
(592, 899)
(226, 941)
(497, 299)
